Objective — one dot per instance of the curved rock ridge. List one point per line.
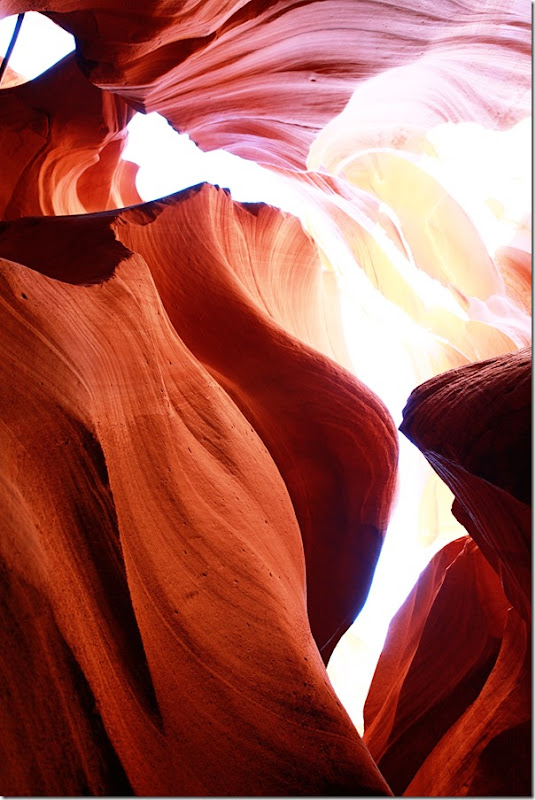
(449, 82)
(157, 604)
(61, 140)
(228, 74)
(449, 708)
(332, 440)
(473, 425)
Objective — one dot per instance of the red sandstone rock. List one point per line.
(494, 758)
(229, 73)
(473, 425)
(448, 713)
(449, 709)
(332, 440)
(61, 140)
(158, 536)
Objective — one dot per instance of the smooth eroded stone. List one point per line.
(449, 708)
(228, 74)
(179, 472)
(473, 424)
(61, 140)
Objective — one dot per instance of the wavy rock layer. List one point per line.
(61, 140)
(332, 440)
(449, 708)
(159, 537)
(474, 427)
(229, 73)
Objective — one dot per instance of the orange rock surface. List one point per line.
(449, 708)
(194, 486)
(331, 438)
(61, 140)
(150, 500)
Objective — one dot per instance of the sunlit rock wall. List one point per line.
(195, 488)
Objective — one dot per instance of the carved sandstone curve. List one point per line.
(160, 559)
(228, 74)
(61, 141)
(333, 441)
(473, 424)
(448, 712)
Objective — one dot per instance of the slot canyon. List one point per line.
(213, 411)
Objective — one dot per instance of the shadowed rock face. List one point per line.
(60, 145)
(193, 490)
(449, 707)
(474, 426)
